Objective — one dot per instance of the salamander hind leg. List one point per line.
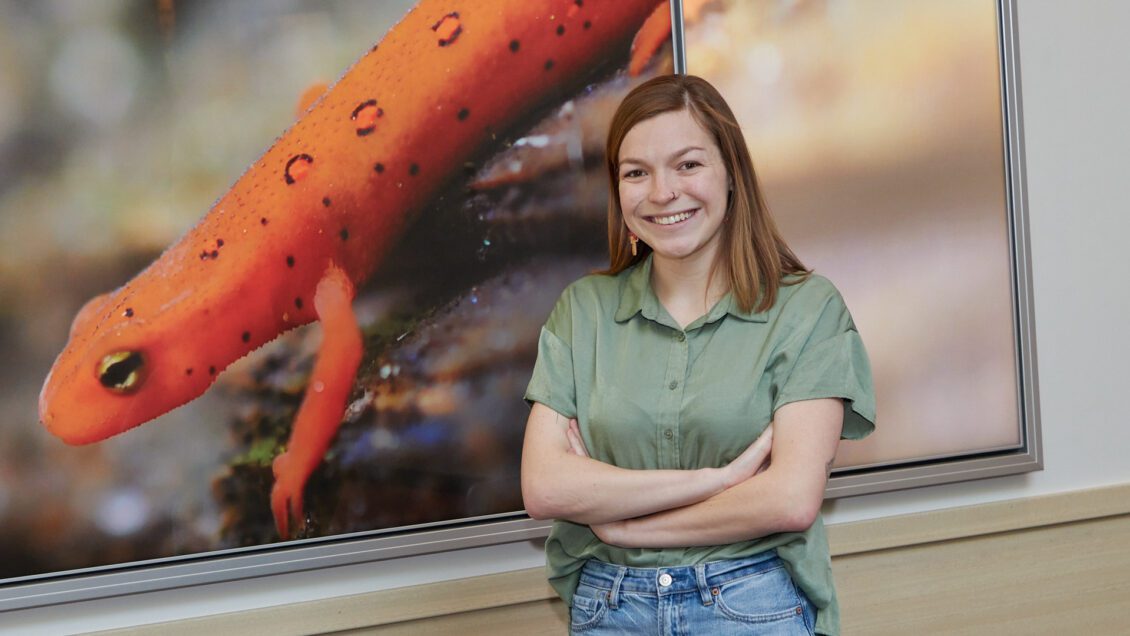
(324, 403)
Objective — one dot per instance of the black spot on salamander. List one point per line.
(246, 336)
(326, 201)
(263, 221)
(290, 261)
(560, 29)
(298, 171)
(379, 167)
(188, 371)
(128, 313)
(587, 25)
(298, 302)
(344, 233)
(211, 370)
(579, 3)
(414, 169)
(219, 242)
(515, 45)
(204, 255)
(463, 114)
(215, 254)
(548, 64)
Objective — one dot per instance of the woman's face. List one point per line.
(673, 187)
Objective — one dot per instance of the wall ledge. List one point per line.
(389, 607)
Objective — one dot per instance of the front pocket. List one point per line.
(589, 607)
(764, 597)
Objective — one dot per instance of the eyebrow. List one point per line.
(675, 155)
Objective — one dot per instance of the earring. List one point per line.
(633, 239)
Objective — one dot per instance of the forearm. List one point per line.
(762, 505)
(560, 481)
(583, 490)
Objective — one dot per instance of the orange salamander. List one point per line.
(313, 217)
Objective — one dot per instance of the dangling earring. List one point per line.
(633, 239)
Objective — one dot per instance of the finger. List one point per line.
(572, 439)
(577, 443)
(571, 436)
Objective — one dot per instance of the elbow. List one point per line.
(799, 518)
(539, 501)
(800, 512)
(536, 508)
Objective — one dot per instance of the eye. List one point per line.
(122, 371)
(632, 174)
(687, 165)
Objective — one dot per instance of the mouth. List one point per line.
(672, 219)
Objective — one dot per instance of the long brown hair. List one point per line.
(755, 255)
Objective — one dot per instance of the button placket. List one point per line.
(672, 401)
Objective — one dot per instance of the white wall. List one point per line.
(1075, 95)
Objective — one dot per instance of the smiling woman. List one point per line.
(665, 385)
(673, 188)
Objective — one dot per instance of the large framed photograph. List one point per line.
(195, 160)
(888, 141)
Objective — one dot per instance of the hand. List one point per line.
(753, 460)
(608, 532)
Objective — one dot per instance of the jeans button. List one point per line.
(665, 580)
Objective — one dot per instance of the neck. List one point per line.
(688, 288)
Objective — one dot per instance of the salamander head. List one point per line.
(116, 372)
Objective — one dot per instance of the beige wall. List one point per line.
(1055, 564)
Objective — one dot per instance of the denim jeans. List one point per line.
(750, 596)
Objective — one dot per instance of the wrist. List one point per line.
(717, 480)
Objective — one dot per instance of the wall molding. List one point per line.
(525, 592)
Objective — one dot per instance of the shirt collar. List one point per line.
(638, 297)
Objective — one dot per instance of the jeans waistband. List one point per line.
(674, 580)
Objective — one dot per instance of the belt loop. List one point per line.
(703, 588)
(614, 595)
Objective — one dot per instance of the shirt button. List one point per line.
(668, 434)
(665, 580)
(674, 385)
(681, 337)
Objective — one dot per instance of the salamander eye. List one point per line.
(122, 371)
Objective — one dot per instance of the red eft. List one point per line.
(313, 217)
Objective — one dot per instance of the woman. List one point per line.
(664, 385)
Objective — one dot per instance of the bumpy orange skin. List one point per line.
(334, 192)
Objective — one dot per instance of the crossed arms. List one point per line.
(748, 498)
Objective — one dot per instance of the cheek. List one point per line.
(629, 198)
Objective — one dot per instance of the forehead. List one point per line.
(661, 136)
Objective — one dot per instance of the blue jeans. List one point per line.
(749, 596)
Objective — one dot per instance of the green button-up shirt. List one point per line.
(649, 394)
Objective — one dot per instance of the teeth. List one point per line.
(674, 218)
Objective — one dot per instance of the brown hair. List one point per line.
(755, 255)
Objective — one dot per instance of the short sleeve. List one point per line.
(823, 357)
(553, 383)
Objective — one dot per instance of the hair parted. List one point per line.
(754, 255)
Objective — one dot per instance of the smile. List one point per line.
(671, 219)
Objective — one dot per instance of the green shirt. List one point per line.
(649, 395)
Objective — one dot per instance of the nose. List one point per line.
(662, 189)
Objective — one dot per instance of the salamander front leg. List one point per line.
(324, 403)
